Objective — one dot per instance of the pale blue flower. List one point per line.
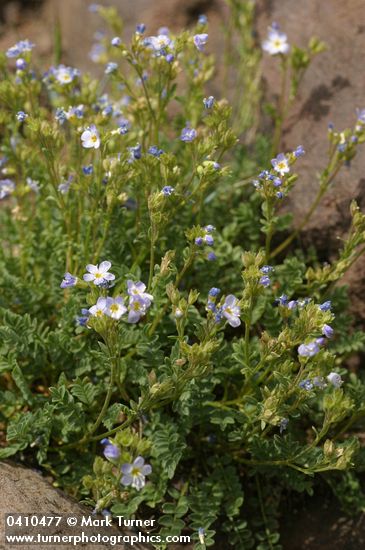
(124, 126)
(116, 41)
(99, 274)
(137, 309)
(277, 42)
(68, 280)
(283, 424)
(115, 307)
(167, 190)
(155, 151)
(90, 138)
(299, 151)
(111, 67)
(19, 48)
(306, 385)
(134, 474)
(21, 116)
(209, 228)
(65, 75)
(328, 331)
(88, 170)
(308, 350)
(21, 64)
(188, 134)
(64, 186)
(98, 310)
(140, 28)
(200, 41)
(335, 379)
(214, 291)
(266, 269)
(110, 451)
(135, 152)
(6, 188)
(265, 281)
(208, 102)
(138, 290)
(33, 185)
(231, 310)
(281, 164)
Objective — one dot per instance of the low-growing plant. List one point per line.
(187, 368)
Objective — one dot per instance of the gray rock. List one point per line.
(332, 89)
(24, 491)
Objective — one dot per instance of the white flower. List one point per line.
(98, 310)
(115, 307)
(65, 75)
(99, 273)
(231, 311)
(281, 164)
(335, 379)
(178, 313)
(159, 42)
(135, 474)
(90, 138)
(276, 43)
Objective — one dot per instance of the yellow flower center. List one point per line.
(98, 275)
(114, 308)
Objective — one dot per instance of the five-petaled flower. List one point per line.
(99, 274)
(115, 307)
(65, 75)
(281, 164)
(90, 138)
(98, 310)
(134, 474)
(158, 43)
(137, 290)
(276, 42)
(231, 311)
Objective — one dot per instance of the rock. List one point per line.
(24, 491)
(78, 25)
(331, 90)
